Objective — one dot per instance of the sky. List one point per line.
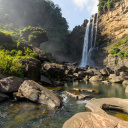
(75, 11)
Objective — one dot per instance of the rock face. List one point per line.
(32, 68)
(94, 120)
(41, 54)
(75, 41)
(10, 84)
(39, 94)
(113, 24)
(3, 97)
(53, 70)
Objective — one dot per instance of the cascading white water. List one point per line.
(85, 47)
(89, 41)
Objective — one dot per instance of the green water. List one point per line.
(30, 115)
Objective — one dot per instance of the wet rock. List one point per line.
(106, 71)
(86, 78)
(3, 97)
(54, 70)
(39, 94)
(122, 69)
(98, 105)
(78, 76)
(111, 76)
(117, 79)
(123, 74)
(96, 78)
(94, 120)
(106, 82)
(126, 90)
(90, 73)
(41, 55)
(32, 68)
(75, 64)
(72, 69)
(45, 80)
(10, 84)
(125, 82)
(80, 89)
(2, 76)
(77, 95)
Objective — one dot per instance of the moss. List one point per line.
(34, 34)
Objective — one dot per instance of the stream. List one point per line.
(31, 115)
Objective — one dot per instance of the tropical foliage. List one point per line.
(17, 14)
(120, 48)
(105, 5)
(10, 64)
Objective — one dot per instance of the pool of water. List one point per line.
(30, 115)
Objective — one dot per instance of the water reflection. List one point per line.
(30, 115)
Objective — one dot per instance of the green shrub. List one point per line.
(114, 50)
(10, 64)
(121, 54)
(19, 53)
(126, 54)
(105, 5)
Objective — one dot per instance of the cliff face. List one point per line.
(112, 26)
(75, 41)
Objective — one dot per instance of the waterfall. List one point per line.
(89, 41)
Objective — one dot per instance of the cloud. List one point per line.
(90, 5)
(81, 3)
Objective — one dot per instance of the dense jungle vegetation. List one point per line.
(32, 22)
(18, 14)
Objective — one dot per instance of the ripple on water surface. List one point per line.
(30, 115)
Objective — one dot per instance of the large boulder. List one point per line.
(106, 71)
(39, 94)
(94, 120)
(54, 70)
(41, 55)
(2, 76)
(96, 78)
(117, 79)
(125, 82)
(3, 97)
(32, 68)
(77, 95)
(10, 84)
(99, 105)
(45, 80)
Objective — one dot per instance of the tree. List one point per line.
(34, 35)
